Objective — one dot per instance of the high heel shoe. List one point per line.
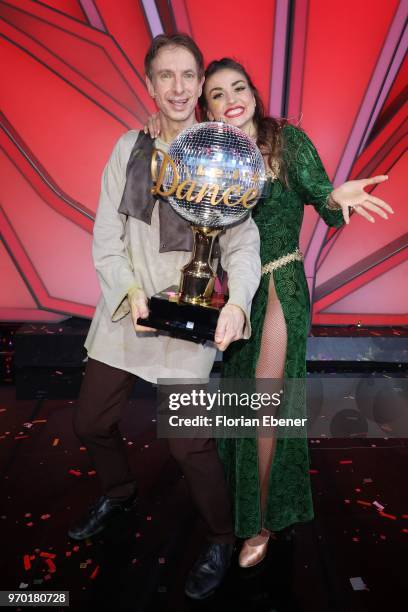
(254, 549)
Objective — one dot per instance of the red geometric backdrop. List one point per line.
(72, 83)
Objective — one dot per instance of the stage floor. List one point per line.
(140, 563)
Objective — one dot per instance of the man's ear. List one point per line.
(150, 87)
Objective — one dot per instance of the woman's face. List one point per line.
(229, 98)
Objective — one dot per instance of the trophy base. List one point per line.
(187, 321)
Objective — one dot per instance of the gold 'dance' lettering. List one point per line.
(200, 195)
(228, 191)
(157, 189)
(247, 197)
(185, 190)
(215, 189)
(188, 194)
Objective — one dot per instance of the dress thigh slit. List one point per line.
(271, 365)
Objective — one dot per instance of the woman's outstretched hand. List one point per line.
(352, 195)
(153, 126)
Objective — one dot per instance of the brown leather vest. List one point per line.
(138, 202)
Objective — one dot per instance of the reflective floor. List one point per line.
(352, 557)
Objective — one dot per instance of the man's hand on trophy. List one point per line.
(230, 326)
(153, 126)
(138, 308)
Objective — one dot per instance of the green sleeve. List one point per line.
(307, 176)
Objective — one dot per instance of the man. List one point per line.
(139, 247)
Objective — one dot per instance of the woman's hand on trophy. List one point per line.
(230, 326)
(353, 195)
(138, 308)
(153, 126)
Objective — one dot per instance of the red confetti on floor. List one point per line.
(390, 516)
(95, 573)
(51, 566)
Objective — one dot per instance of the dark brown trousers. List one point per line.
(105, 391)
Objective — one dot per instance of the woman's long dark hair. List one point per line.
(269, 129)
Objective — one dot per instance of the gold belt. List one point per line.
(282, 261)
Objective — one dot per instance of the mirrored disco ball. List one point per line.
(220, 171)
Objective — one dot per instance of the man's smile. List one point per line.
(178, 103)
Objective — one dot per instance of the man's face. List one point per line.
(175, 84)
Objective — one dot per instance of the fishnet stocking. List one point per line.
(271, 364)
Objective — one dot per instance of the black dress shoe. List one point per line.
(99, 515)
(209, 570)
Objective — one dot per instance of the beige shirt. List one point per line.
(125, 252)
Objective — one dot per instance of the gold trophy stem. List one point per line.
(198, 277)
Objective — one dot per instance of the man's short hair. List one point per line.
(174, 40)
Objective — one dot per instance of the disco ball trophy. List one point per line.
(212, 175)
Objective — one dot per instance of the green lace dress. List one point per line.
(279, 218)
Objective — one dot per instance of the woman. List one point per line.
(269, 478)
